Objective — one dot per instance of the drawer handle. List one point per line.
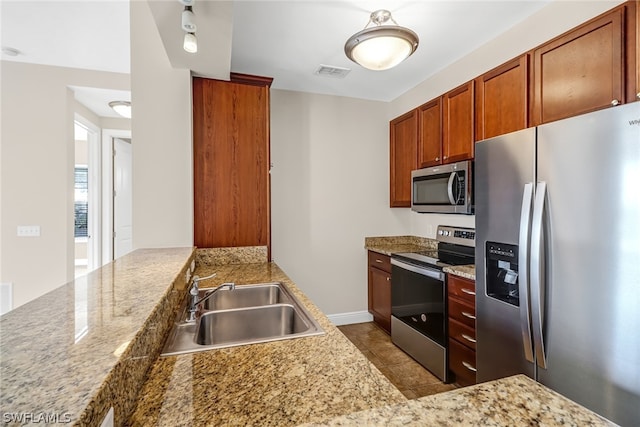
(469, 367)
(615, 102)
(379, 261)
(468, 338)
(468, 291)
(468, 315)
(388, 279)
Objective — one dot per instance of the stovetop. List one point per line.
(456, 246)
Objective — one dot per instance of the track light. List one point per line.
(188, 20)
(188, 23)
(190, 43)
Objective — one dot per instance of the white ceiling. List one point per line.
(287, 40)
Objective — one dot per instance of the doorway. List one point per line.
(122, 198)
(116, 172)
(86, 197)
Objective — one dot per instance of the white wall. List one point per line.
(329, 184)
(161, 131)
(36, 174)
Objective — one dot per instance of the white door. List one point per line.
(122, 198)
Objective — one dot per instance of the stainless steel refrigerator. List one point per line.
(558, 259)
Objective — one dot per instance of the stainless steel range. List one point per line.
(419, 297)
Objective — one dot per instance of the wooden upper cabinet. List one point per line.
(458, 124)
(231, 164)
(580, 71)
(633, 45)
(403, 155)
(502, 99)
(430, 133)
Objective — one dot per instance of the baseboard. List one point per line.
(350, 318)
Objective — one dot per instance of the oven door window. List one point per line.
(441, 189)
(419, 301)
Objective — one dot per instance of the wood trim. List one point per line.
(249, 79)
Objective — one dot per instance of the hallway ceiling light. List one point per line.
(383, 46)
(121, 107)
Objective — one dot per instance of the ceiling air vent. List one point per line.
(332, 71)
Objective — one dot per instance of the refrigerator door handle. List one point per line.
(537, 274)
(523, 264)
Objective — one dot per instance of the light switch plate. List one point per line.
(28, 231)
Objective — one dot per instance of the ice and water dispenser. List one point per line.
(502, 272)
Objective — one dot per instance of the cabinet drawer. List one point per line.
(377, 260)
(462, 288)
(463, 312)
(462, 362)
(462, 333)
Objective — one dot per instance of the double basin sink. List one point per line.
(249, 314)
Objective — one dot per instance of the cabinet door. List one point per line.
(380, 297)
(635, 30)
(502, 99)
(403, 157)
(230, 164)
(462, 361)
(580, 71)
(430, 133)
(458, 132)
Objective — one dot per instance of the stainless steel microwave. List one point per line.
(443, 189)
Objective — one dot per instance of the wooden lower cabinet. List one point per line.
(379, 289)
(462, 361)
(462, 329)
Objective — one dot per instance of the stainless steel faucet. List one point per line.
(193, 292)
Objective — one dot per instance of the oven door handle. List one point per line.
(425, 271)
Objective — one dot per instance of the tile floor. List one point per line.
(405, 373)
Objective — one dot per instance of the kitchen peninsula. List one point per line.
(321, 379)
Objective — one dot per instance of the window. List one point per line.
(81, 205)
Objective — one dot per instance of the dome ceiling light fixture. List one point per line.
(121, 107)
(383, 46)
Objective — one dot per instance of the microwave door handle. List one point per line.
(452, 179)
(523, 284)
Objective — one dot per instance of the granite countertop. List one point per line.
(289, 382)
(513, 401)
(389, 245)
(90, 345)
(69, 355)
(466, 271)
